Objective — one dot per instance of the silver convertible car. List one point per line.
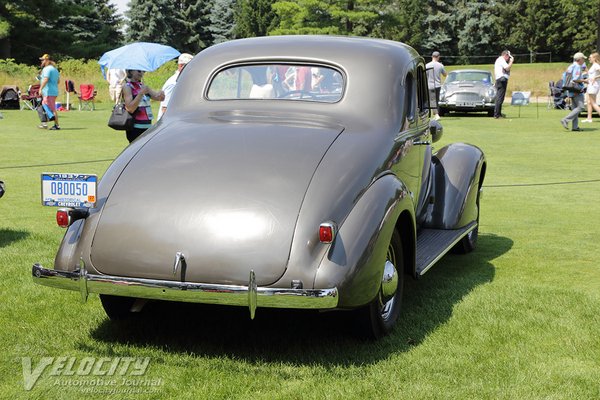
(468, 90)
(292, 172)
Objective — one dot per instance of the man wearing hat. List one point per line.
(578, 74)
(49, 90)
(435, 71)
(170, 83)
(501, 74)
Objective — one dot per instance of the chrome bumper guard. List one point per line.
(251, 296)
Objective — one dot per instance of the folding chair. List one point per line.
(69, 88)
(32, 99)
(86, 97)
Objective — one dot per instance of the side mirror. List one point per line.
(436, 129)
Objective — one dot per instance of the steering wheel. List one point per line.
(302, 94)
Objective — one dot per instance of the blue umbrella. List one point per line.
(140, 55)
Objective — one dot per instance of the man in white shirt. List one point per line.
(116, 79)
(170, 83)
(501, 73)
(435, 71)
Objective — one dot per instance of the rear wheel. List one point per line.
(378, 318)
(117, 307)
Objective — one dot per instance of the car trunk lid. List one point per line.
(226, 194)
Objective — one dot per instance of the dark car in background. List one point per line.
(468, 90)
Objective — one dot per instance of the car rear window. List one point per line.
(278, 81)
(469, 76)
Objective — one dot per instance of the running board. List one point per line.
(433, 244)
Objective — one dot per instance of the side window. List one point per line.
(422, 91)
(410, 98)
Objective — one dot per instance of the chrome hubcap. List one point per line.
(389, 284)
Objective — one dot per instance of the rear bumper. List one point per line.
(234, 295)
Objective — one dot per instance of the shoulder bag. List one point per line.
(568, 83)
(120, 119)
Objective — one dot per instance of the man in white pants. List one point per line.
(115, 78)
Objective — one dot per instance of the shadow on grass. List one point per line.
(8, 236)
(300, 337)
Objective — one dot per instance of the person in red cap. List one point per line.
(49, 90)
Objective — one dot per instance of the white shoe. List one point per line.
(588, 120)
(436, 117)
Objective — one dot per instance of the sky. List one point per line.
(121, 5)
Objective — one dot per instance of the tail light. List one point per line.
(66, 216)
(62, 217)
(327, 232)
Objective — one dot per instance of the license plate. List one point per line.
(466, 104)
(69, 190)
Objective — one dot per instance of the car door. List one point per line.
(413, 132)
(423, 142)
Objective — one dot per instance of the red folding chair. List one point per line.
(32, 99)
(86, 97)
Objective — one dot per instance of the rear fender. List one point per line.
(457, 173)
(354, 263)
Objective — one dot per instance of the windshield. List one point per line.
(469, 76)
(278, 81)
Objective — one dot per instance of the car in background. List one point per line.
(468, 90)
(294, 172)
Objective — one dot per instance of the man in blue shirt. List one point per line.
(578, 74)
(49, 90)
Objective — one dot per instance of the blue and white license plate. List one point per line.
(69, 190)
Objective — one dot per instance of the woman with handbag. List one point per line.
(593, 86)
(137, 102)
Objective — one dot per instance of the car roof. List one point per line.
(374, 71)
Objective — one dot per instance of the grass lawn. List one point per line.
(519, 318)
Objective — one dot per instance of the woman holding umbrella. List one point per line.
(137, 102)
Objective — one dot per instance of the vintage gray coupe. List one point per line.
(468, 90)
(288, 172)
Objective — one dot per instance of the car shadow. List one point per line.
(8, 236)
(301, 337)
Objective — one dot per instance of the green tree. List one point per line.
(439, 27)
(158, 21)
(344, 17)
(90, 29)
(253, 18)
(222, 21)
(475, 24)
(183, 24)
(196, 19)
(81, 28)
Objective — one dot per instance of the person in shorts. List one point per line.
(593, 86)
(49, 90)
